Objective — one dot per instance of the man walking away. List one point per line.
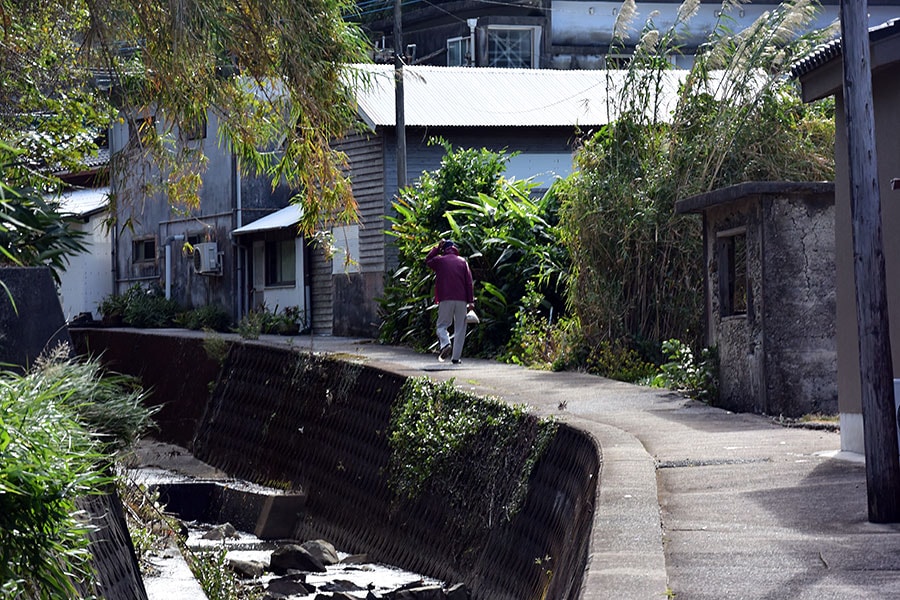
(455, 295)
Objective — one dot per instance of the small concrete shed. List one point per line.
(770, 294)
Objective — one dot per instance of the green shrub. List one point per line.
(508, 236)
(150, 309)
(211, 316)
(110, 405)
(141, 307)
(698, 378)
(290, 321)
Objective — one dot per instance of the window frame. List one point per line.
(463, 42)
(194, 130)
(273, 263)
(535, 34)
(732, 255)
(139, 247)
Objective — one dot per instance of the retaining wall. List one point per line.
(118, 574)
(281, 418)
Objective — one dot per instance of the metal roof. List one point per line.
(84, 202)
(286, 217)
(494, 97)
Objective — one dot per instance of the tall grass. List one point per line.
(636, 266)
(49, 456)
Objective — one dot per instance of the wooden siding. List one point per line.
(365, 153)
(320, 292)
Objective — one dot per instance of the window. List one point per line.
(281, 262)
(458, 52)
(194, 129)
(346, 249)
(143, 250)
(733, 283)
(513, 47)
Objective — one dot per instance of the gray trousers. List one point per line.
(452, 312)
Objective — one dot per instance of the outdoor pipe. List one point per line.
(168, 244)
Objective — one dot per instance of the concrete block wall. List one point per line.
(282, 419)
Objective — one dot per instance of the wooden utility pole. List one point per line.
(398, 96)
(875, 363)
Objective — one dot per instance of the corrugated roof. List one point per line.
(286, 217)
(493, 97)
(84, 202)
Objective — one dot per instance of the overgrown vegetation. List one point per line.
(216, 577)
(210, 317)
(147, 307)
(507, 235)
(600, 273)
(475, 454)
(636, 266)
(140, 307)
(698, 377)
(60, 424)
(290, 321)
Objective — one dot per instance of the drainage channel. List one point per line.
(253, 525)
(352, 576)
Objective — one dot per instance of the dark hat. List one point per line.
(448, 244)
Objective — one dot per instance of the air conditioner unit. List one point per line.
(206, 257)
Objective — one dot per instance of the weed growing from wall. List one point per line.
(474, 453)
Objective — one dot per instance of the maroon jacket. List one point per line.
(453, 279)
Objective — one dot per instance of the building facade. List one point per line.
(557, 34)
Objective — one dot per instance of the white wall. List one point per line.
(88, 278)
(280, 296)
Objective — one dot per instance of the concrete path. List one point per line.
(695, 502)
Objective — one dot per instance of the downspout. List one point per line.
(472, 23)
(168, 246)
(240, 255)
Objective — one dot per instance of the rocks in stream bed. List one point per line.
(291, 562)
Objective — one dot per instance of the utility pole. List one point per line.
(875, 363)
(398, 96)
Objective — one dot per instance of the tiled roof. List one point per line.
(494, 97)
(834, 49)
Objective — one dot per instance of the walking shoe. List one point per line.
(445, 353)
(456, 361)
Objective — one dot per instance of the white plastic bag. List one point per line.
(472, 317)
